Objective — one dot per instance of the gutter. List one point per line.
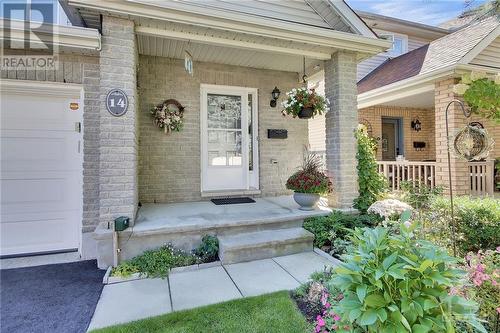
(57, 35)
(414, 85)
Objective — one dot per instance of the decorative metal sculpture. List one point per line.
(471, 143)
(368, 126)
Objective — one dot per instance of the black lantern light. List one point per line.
(275, 94)
(416, 125)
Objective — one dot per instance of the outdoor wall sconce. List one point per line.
(275, 94)
(416, 125)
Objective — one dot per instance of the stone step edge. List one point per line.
(307, 236)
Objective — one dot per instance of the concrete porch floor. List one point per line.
(133, 300)
(188, 216)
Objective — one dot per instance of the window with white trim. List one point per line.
(399, 44)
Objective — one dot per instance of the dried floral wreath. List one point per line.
(168, 116)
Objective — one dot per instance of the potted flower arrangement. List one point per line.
(303, 103)
(309, 183)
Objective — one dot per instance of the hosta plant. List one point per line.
(395, 283)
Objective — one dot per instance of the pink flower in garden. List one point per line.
(327, 305)
(336, 318)
(320, 321)
(498, 310)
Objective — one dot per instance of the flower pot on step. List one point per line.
(306, 201)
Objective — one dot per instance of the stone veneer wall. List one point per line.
(375, 114)
(80, 69)
(169, 165)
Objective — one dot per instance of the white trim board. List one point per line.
(64, 36)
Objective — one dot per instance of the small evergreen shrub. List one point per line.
(371, 183)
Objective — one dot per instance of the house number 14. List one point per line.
(117, 102)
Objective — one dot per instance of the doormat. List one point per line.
(232, 201)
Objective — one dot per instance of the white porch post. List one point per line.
(341, 121)
(118, 135)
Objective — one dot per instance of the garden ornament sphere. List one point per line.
(472, 143)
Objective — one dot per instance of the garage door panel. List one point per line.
(41, 173)
(42, 113)
(32, 193)
(39, 150)
(39, 234)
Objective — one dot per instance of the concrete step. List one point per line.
(264, 244)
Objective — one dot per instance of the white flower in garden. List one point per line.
(477, 75)
(388, 207)
(460, 88)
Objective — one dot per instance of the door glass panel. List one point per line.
(224, 111)
(224, 130)
(250, 133)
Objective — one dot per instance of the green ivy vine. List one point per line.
(371, 182)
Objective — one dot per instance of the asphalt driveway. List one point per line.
(49, 298)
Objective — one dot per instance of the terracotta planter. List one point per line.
(306, 113)
(306, 201)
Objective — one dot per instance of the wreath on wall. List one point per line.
(168, 116)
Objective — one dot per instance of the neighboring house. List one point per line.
(69, 166)
(417, 86)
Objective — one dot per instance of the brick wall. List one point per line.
(170, 166)
(81, 69)
(341, 122)
(118, 135)
(375, 114)
(456, 120)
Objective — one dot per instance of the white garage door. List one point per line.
(41, 168)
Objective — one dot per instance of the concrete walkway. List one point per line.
(133, 300)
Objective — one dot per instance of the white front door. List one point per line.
(41, 171)
(227, 138)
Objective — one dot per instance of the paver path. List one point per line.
(133, 300)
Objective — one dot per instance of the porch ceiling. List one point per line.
(423, 100)
(170, 39)
(174, 48)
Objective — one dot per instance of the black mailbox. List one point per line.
(277, 134)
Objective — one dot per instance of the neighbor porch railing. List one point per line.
(397, 172)
(482, 176)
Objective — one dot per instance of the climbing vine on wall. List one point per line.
(371, 182)
(481, 93)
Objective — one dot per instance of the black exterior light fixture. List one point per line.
(275, 94)
(416, 125)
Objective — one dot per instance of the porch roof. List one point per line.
(261, 34)
(414, 73)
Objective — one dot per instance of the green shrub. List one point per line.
(208, 250)
(394, 283)
(419, 196)
(336, 225)
(155, 263)
(371, 183)
(477, 223)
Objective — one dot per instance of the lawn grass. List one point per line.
(275, 312)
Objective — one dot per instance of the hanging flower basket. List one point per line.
(303, 103)
(168, 116)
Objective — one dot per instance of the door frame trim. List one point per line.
(56, 89)
(398, 133)
(206, 88)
